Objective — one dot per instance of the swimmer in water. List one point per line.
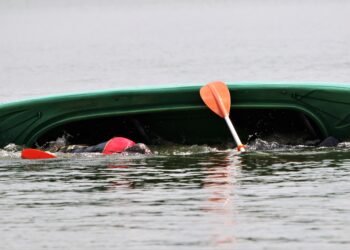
(112, 146)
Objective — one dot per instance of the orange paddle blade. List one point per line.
(29, 153)
(217, 97)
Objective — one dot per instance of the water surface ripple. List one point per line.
(184, 200)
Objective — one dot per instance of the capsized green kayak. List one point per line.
(178, 115)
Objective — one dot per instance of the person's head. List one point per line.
(139, 148)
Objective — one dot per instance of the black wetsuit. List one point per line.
(330, 141)
(91, 149)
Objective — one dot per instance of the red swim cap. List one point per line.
(117, 145)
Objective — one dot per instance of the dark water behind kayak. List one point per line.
(180, 198)
(50, 47)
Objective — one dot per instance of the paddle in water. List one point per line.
(36, 154)
(217, 97)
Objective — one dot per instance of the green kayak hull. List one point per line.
(178, 115)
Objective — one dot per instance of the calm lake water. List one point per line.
(181, 197)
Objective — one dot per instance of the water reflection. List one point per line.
(210, 200)
(214, 174)
(219, 182)
(270, 162)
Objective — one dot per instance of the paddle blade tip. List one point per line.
(36, 154)
(215, 93)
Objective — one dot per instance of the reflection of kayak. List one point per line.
(177, 114)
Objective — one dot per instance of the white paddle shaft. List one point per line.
(233, 132)
(226, 112)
